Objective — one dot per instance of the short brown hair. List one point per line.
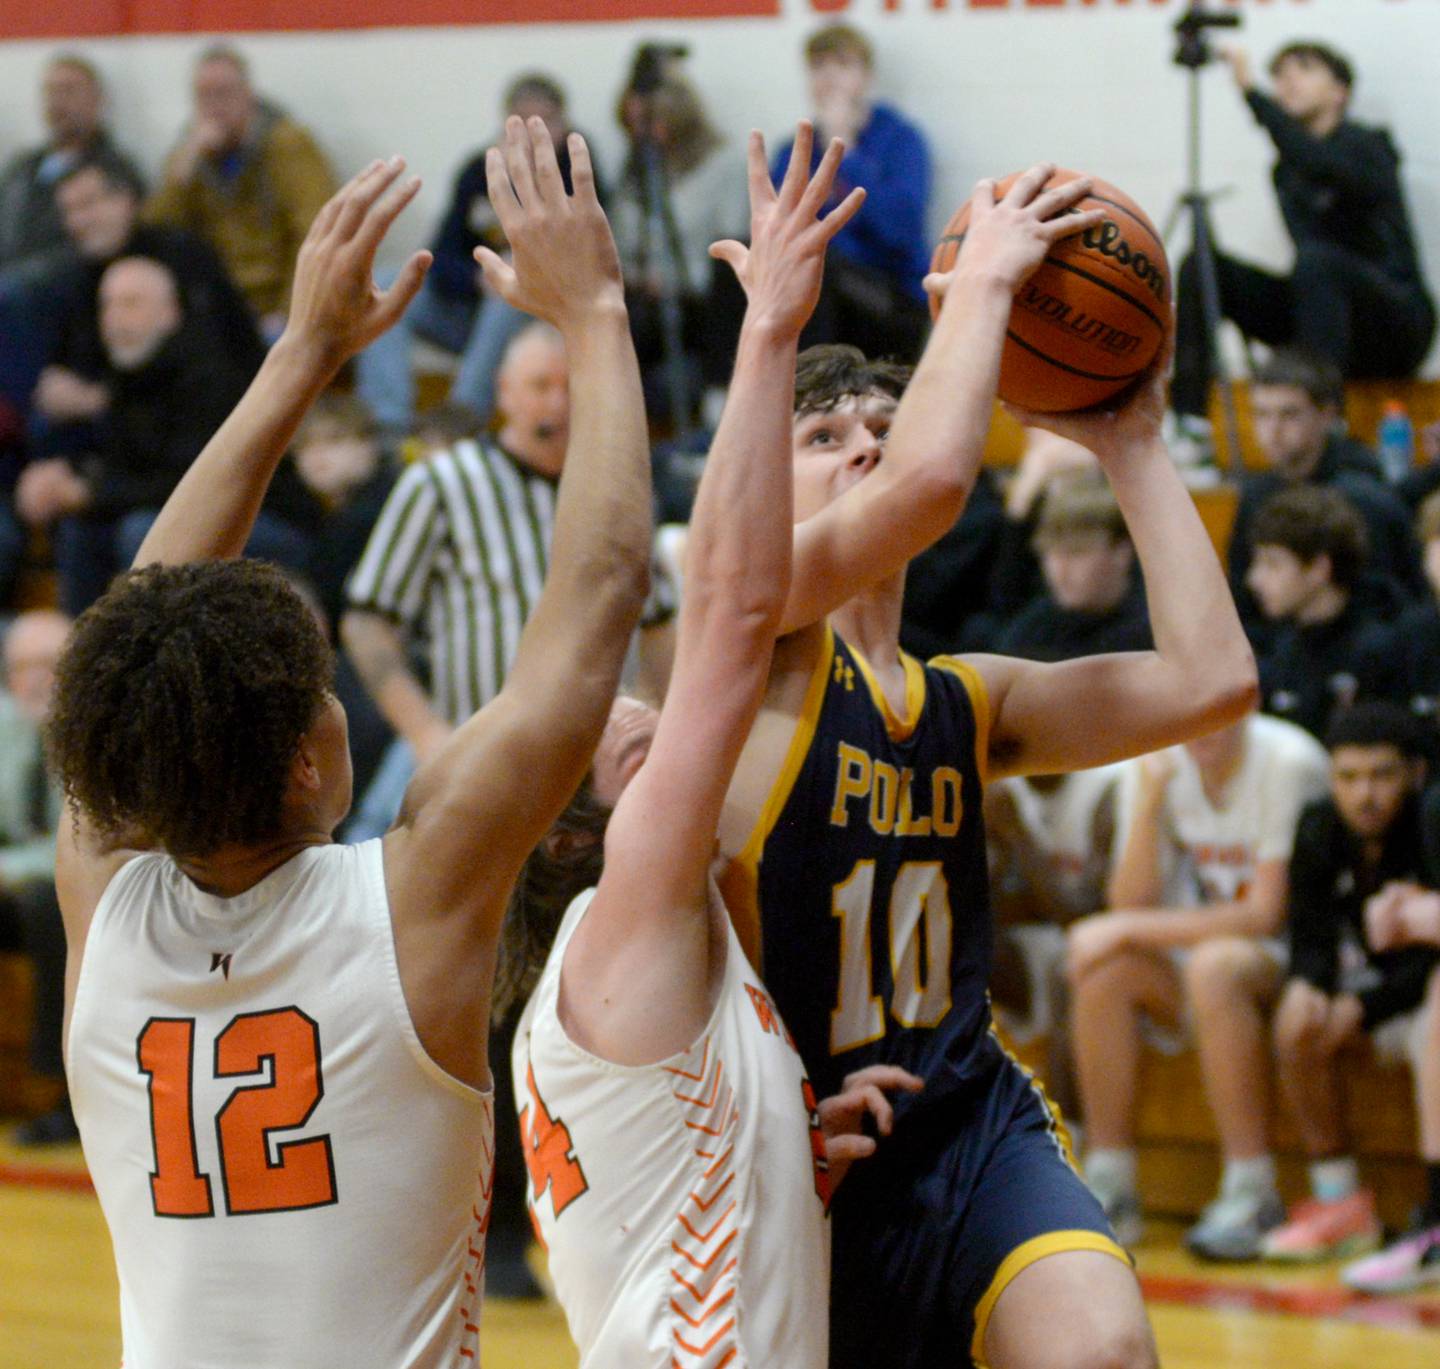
(1311, 521)
(337, 414)
(827, 375)
(839, 40)
(1339, 66)
(1297, 369)
(1081, 505)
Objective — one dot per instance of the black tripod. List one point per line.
(1193, 54)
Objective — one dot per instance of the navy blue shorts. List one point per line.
(925, 1243)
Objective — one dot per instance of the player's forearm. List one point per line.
(377, 650)
(739, 545)
(212, 510)
(1209, 669)
(1136, 881)
(600, 551)
(1161, 929)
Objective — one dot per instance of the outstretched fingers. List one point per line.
(762, 191)
(1067, 224)
(498, 187)
(499, 274)
(798, 172)
(520, 159)
(582, 171)
(396, 300)
(547, 166)
(843, 212)
(362, 193)
(330, 210)
(1028, 184)
(822, 183)
(383, 212)
(1056, 199)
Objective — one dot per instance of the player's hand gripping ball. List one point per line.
(1094, 315)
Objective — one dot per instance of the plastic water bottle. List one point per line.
(1397, 441)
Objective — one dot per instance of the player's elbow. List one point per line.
(1227, 688)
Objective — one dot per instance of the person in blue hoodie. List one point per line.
(872, 296)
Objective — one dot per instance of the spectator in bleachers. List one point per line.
(29, 819)
(1204, 835)
(100, 210)
(665, 246)
(249, 179)
(1297, 405)
(1050, 839)
(1309, 552)
(1367, 835)
(455, 310)
(169, 388)
(73, 102)
(1355, 294)
(872, 295)
(1412, 656)
(1092, 601)
(1406, 915)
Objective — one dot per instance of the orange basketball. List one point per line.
(1092, 317)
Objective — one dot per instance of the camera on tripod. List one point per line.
(1193, 49)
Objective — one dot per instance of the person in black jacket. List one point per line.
(1356, 293)
(454, 309)
(170, 387)
(1367, 837)
(1310, 548)
(1093, 602)
(1296, 402)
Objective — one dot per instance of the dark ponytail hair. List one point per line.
(566, 863)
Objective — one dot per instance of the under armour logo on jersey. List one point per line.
(220, 962)
(845, 673)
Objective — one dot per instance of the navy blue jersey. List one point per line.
(869, 868)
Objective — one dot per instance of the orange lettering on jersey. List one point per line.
(945, 807)
(817, 1144)
(906, 825)
(851, 782)
(764, 1009)
(549, 1152)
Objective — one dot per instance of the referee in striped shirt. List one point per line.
(457, 559)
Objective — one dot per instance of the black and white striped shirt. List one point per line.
(459, 554)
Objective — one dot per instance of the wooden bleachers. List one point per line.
(22, 1093)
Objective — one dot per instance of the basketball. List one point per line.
(1094, 315)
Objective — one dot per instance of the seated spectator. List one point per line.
(1296, 404)
(29, 819)
(249, 179)
(169, 389)
(681, 189)
(872, 295)
(1092, 601)
(1050, 839)
(1366, 836)
(1356, 295)
(1412, 655)
(100, 210)
(73, 101)
(1398, 916)
(455, 309)
(1204, 837)
(1310, 548)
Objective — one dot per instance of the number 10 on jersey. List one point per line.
(921, 928)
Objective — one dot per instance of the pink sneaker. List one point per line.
(1411, 1263)
(1318, 1231)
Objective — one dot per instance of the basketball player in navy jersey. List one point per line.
(855, 834)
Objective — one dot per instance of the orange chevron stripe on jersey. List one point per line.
(473, 1270)
(706, 1237)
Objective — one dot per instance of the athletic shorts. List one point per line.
(922, 1251)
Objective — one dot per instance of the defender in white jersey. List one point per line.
(679, 1175)
(277, 1046)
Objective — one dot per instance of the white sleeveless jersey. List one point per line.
(1061, 823)
(290, 1181)
(682, 1203)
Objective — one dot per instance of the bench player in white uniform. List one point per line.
(678, 1170)
(277, 1045)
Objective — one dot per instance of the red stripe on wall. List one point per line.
(106, 18)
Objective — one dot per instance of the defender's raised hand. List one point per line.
(1007, 239)
(335, 307)
(781, 270)
(564, 264)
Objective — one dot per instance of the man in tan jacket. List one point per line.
(247, 177)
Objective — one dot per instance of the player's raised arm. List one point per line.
(476, 810)
(635, 974)
(1201, 674)
(335, 312)
(937, 439)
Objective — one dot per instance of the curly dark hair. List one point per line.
(565, 864)
(1310, 521)
(180, 701)
(827, 375)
